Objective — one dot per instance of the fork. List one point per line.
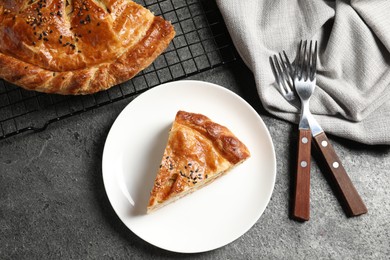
(305, 77)
(301, 196)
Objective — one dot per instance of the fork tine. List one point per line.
(286, 74)
(308, 63)
(304, 60)
(314, 62)
(299, 63)
(289, 65)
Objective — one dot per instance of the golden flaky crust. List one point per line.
(198, 151)
(77, 46)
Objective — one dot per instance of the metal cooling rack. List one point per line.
(201, 43)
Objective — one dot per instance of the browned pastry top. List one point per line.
(198, 151)
(223, 140)
(77, 46)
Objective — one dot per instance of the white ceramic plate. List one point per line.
(211, 217)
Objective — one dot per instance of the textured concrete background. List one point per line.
(53, 204)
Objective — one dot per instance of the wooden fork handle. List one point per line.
(301, 200)
(351, 201)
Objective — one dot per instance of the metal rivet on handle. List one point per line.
(335, 165)
(324, 143)
(304, 140)
(303, 164)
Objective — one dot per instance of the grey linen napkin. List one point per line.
(352, 98)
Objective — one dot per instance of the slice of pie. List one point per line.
(77, 46)
(198, 151)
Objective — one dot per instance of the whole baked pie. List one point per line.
(77, 46)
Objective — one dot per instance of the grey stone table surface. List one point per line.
(53, 203)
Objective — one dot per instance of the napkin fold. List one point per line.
(352, 98)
